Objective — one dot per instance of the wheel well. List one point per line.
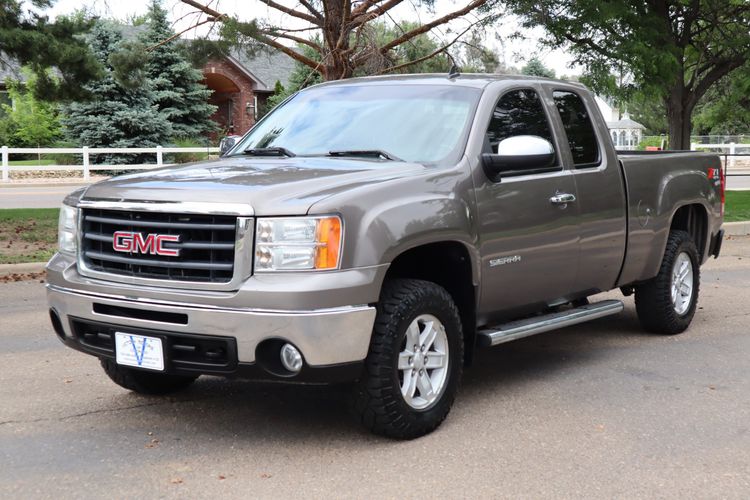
(694, 220)
(447, 264)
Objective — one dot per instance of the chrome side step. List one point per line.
(553, 321)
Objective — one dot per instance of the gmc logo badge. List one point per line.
(130, 242)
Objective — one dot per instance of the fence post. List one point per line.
(159, 156)
(732, 151)
(86, 172)
(6, 168)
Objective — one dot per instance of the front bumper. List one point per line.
(329, 338)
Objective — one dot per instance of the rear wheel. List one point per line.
(414, 367)
(144, 382)
(666, 304)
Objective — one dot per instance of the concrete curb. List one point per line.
(737, 228)
(25, 268)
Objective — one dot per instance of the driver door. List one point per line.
(529, 243)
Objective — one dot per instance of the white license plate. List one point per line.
(140, 351)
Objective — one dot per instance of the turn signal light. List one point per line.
(329, 243)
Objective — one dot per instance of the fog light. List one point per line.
(291, 358)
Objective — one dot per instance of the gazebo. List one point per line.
(626, 133)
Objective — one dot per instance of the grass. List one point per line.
(31, 163)
(737, 206)
(27, 234)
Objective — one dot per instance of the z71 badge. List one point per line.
(511, 259)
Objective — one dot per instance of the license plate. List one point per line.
(139, 351)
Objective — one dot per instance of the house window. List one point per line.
(5, 100)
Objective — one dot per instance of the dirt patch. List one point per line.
(12, 278)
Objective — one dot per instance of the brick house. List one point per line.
(242, 86)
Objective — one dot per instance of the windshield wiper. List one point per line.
(376, 153)
(269, 152)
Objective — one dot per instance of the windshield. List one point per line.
(416, 123)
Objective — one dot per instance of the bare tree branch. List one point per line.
(178, 35)
(442, 49)
(294, 13)
(273, 33)
(427, 27)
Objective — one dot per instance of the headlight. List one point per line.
(67, 230)
(300, 243)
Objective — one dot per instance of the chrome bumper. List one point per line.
(324, 336)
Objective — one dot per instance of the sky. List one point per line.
(512, 52)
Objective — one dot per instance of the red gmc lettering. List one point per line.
(126, 241)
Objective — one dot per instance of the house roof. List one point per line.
(9, 68)
(625, 123)
(265, 67)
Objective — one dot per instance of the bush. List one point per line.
(187, 157)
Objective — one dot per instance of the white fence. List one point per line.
(86, 153)
(731, 149)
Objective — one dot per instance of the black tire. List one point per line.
(378, 401)
(653, 300)
(144, 382)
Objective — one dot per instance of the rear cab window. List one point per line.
(584, 146)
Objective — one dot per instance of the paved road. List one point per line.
(598, 411)
(34, 196)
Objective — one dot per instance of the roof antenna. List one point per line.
(454, 72)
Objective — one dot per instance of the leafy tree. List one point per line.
(29, 122)
(674, 49)
(29, 38)
(535, 67)
(476, 57)
(116, 115)
(345, 34)
(178, 92)
(725, 109)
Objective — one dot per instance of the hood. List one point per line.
(273, 186)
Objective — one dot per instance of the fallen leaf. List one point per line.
(221, 477)
(266, 475)
(176, 480)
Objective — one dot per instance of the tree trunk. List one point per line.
(680, 105)
(336, 64)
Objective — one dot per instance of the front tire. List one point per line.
(666, 304)
(414, 366)
(144, 382)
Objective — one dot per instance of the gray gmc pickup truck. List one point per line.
(378, 231)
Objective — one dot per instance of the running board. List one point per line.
(545, 323)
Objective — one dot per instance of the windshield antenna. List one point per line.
(454, 72)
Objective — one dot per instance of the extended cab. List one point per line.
(379, 231)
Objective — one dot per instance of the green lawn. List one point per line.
(737, 207)
(31, 163)
(27, 234)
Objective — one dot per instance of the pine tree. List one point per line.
(115, 115)
(29, 37)
(178, 91)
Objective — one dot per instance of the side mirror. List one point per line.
(519, 155)
(227, 143)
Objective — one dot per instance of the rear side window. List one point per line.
(578, 128)
(519, 112)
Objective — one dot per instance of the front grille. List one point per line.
(206, 245)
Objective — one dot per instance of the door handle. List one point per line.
(562, 198)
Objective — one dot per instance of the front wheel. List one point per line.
(666, 304)
(415, 363)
